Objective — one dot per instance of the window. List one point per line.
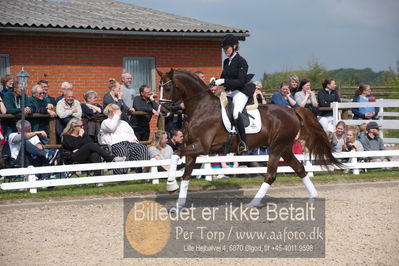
(4, 64)
(142, 70)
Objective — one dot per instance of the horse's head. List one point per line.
(169, 93)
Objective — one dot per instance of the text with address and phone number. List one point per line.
(224, 227)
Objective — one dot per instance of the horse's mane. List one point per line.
(190, 75)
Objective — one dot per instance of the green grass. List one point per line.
(142, 187)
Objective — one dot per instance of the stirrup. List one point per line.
(242, 147)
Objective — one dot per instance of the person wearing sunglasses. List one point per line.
(39, 104)
(81, 147)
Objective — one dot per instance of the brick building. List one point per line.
(87, 42)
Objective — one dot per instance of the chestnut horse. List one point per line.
(204, 132)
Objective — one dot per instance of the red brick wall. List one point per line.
(88, 63)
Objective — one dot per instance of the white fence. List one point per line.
(30, 181)
(381, 103)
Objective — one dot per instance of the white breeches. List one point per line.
(239, 101)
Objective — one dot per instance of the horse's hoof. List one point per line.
(174, 210)
(172, 186)
(254, 205)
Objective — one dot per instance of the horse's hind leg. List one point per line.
(292, 161)
(270, 177)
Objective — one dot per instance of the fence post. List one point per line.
(208, 166)
(381, 117)
(31, 179)
(53, 130)
(334, 106)
(154, 169)
(356, 171)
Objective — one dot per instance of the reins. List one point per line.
(164, 101)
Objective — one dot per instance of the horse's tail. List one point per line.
(315, 138)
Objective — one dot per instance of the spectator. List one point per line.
(325, 97)
(44, 84)
(330, 136)
(145, 102)
(91, 107)
(159, 149)
(362, 130)
(13, 103)
(176, 141)
(174, 120)
(120, 136)
(352, 144)
(363, 94)
(81, 147)
(67, 108)
(214, 90)
(372, 141)
(284, 97)
(40, 105)
(224, 165)
(201, 75)
(258, 92)
(305, 97)
(7, 82)
(3, 109)
(64, 86)
(92, 114)
(35, 154)
(293, 84)
(115, 96)
(339, 136)
(127, 90)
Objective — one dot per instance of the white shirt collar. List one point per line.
(231, 57)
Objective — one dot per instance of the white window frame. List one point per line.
(6, 58)
(136, 84)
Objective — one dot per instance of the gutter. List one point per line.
(240, 35)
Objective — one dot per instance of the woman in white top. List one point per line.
(120, 136)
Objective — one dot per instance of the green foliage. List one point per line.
(316, 73)
(392, 78)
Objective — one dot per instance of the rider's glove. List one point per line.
(212, 80)
(219, 82)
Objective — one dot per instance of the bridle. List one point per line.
(163, 101)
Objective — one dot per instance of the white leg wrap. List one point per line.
(260, 194)
(173, 166)
(309, 186)
(181, 201)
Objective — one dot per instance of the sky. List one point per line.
(285, 35)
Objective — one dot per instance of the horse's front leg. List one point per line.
(181, 201)
(269, 178)
(192, 149)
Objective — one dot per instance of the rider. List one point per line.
(234, 77)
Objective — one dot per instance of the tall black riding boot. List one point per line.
(242, 145)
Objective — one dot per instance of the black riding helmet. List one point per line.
(229, 40)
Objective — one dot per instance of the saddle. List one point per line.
(249, 114)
